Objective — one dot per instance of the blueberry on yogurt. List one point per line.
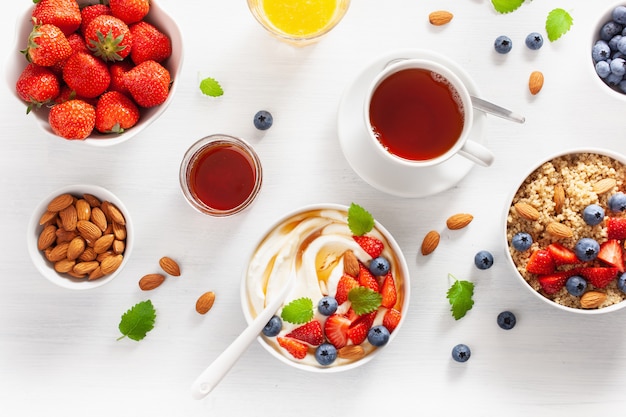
(273, 327)
(325, 354)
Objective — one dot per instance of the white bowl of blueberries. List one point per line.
(608, 48)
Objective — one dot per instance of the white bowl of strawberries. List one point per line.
(565, 230)
(92, 72)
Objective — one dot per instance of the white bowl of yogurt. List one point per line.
(309, 245)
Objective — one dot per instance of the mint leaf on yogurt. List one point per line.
(360, 221)
(298, 311)
(364, 300)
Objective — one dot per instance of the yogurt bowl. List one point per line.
(565, 229)
(316, 249)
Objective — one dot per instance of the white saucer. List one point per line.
(398, 180)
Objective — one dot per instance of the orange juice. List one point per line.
(300, 18)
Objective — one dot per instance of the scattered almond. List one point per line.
(351, 352)
(350, 263)
(535, 82)
(151, 281)
(440, 17)
(430, 242)
(559, 230)
(526, 211)
(604, 185)
(592, 299)
(169, 266)
(459, 221)
(559, 198)
(205, 302)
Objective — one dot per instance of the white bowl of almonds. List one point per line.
(565, 230)
(80, 236)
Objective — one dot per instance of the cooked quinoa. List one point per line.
(576, 173)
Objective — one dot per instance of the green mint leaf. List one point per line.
(298, 311)
(558, 23)
(360, 221)
(506, 6)
(138, 321)
(364, 300)
(210, 87)
(460, 298)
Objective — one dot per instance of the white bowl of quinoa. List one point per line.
(565, 230)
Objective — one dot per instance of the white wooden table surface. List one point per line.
(58, 350)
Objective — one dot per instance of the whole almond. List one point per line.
(88, 255)
(559, 230)
(69, 217)
(47, 217)
(99, 218)
(60, 202)
(115, 214)
(96, 274)
(350, 263)
(118, 246)
(205, 302)
(111, 263)
(440, 17)
(535, 82)
(351, 352)
(47, 237)
(103, 243)
(85, 268)
(83, 209)
(58, 252)
(64, 265)
(65, 235)
(92, 200)
(151, 281)
(592, 299)
(76, 248)
(119, 230)
(604, 185)
(430, 242)
(559, 198)
(459, 221)
(526, 211)
(88, 230)
(169, 266)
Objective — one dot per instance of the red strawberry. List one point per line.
(310, 333)
(86, 74)
(47, 45)
(391, 319)
(372, 246)
(336, 330)
(562, 255)
(64, 14)
(540, 262)
(148, 83)
(149, 43)
(553, 282)
(366, 278)
(90, 12)
(115, 113)
(69, 94)
(108, 38)
(599, 277)
(297, 349)
(73, 119)
(118, 71)
(130, 11)
(616, 228)
(611, 252)
(37, 85)
(78, 45)
(345, 284)
(357, 332)
(388, 291)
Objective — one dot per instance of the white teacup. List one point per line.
(419, 114)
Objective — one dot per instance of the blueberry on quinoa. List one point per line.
(586, 249)
(617, 202)
(576, 285)
(522, 241)
(593, 214)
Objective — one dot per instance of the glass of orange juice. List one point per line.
(300, 22)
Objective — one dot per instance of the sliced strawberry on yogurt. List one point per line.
(391, 319)
(345, 284)
(310, 333)
(366, 278)
(336, 330)
(297, 349)
(372, 246)
(388, 291)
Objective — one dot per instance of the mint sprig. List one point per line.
(360, 221)
(298, 311)
(460, 296)
(137, 321)
(558, 23)
(506, 6)
(210, 87)
(364, 300)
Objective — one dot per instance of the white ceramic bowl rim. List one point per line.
(331, 369)
(600, 151)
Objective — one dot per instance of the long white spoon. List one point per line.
(214, 373)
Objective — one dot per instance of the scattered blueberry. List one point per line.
(378, 335)
(586, 249)
(593, 214)
(263, 120)
(326, 354)
(483, 260)
(273, 327)
(327, 305)
(534, 40)
(617, 202)
(461, 353)
(506, 320)
(601, 51)
(503, 44)
(621, 282)
(522, 241)
(576, 285)
(610, 29)
(379, 266)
